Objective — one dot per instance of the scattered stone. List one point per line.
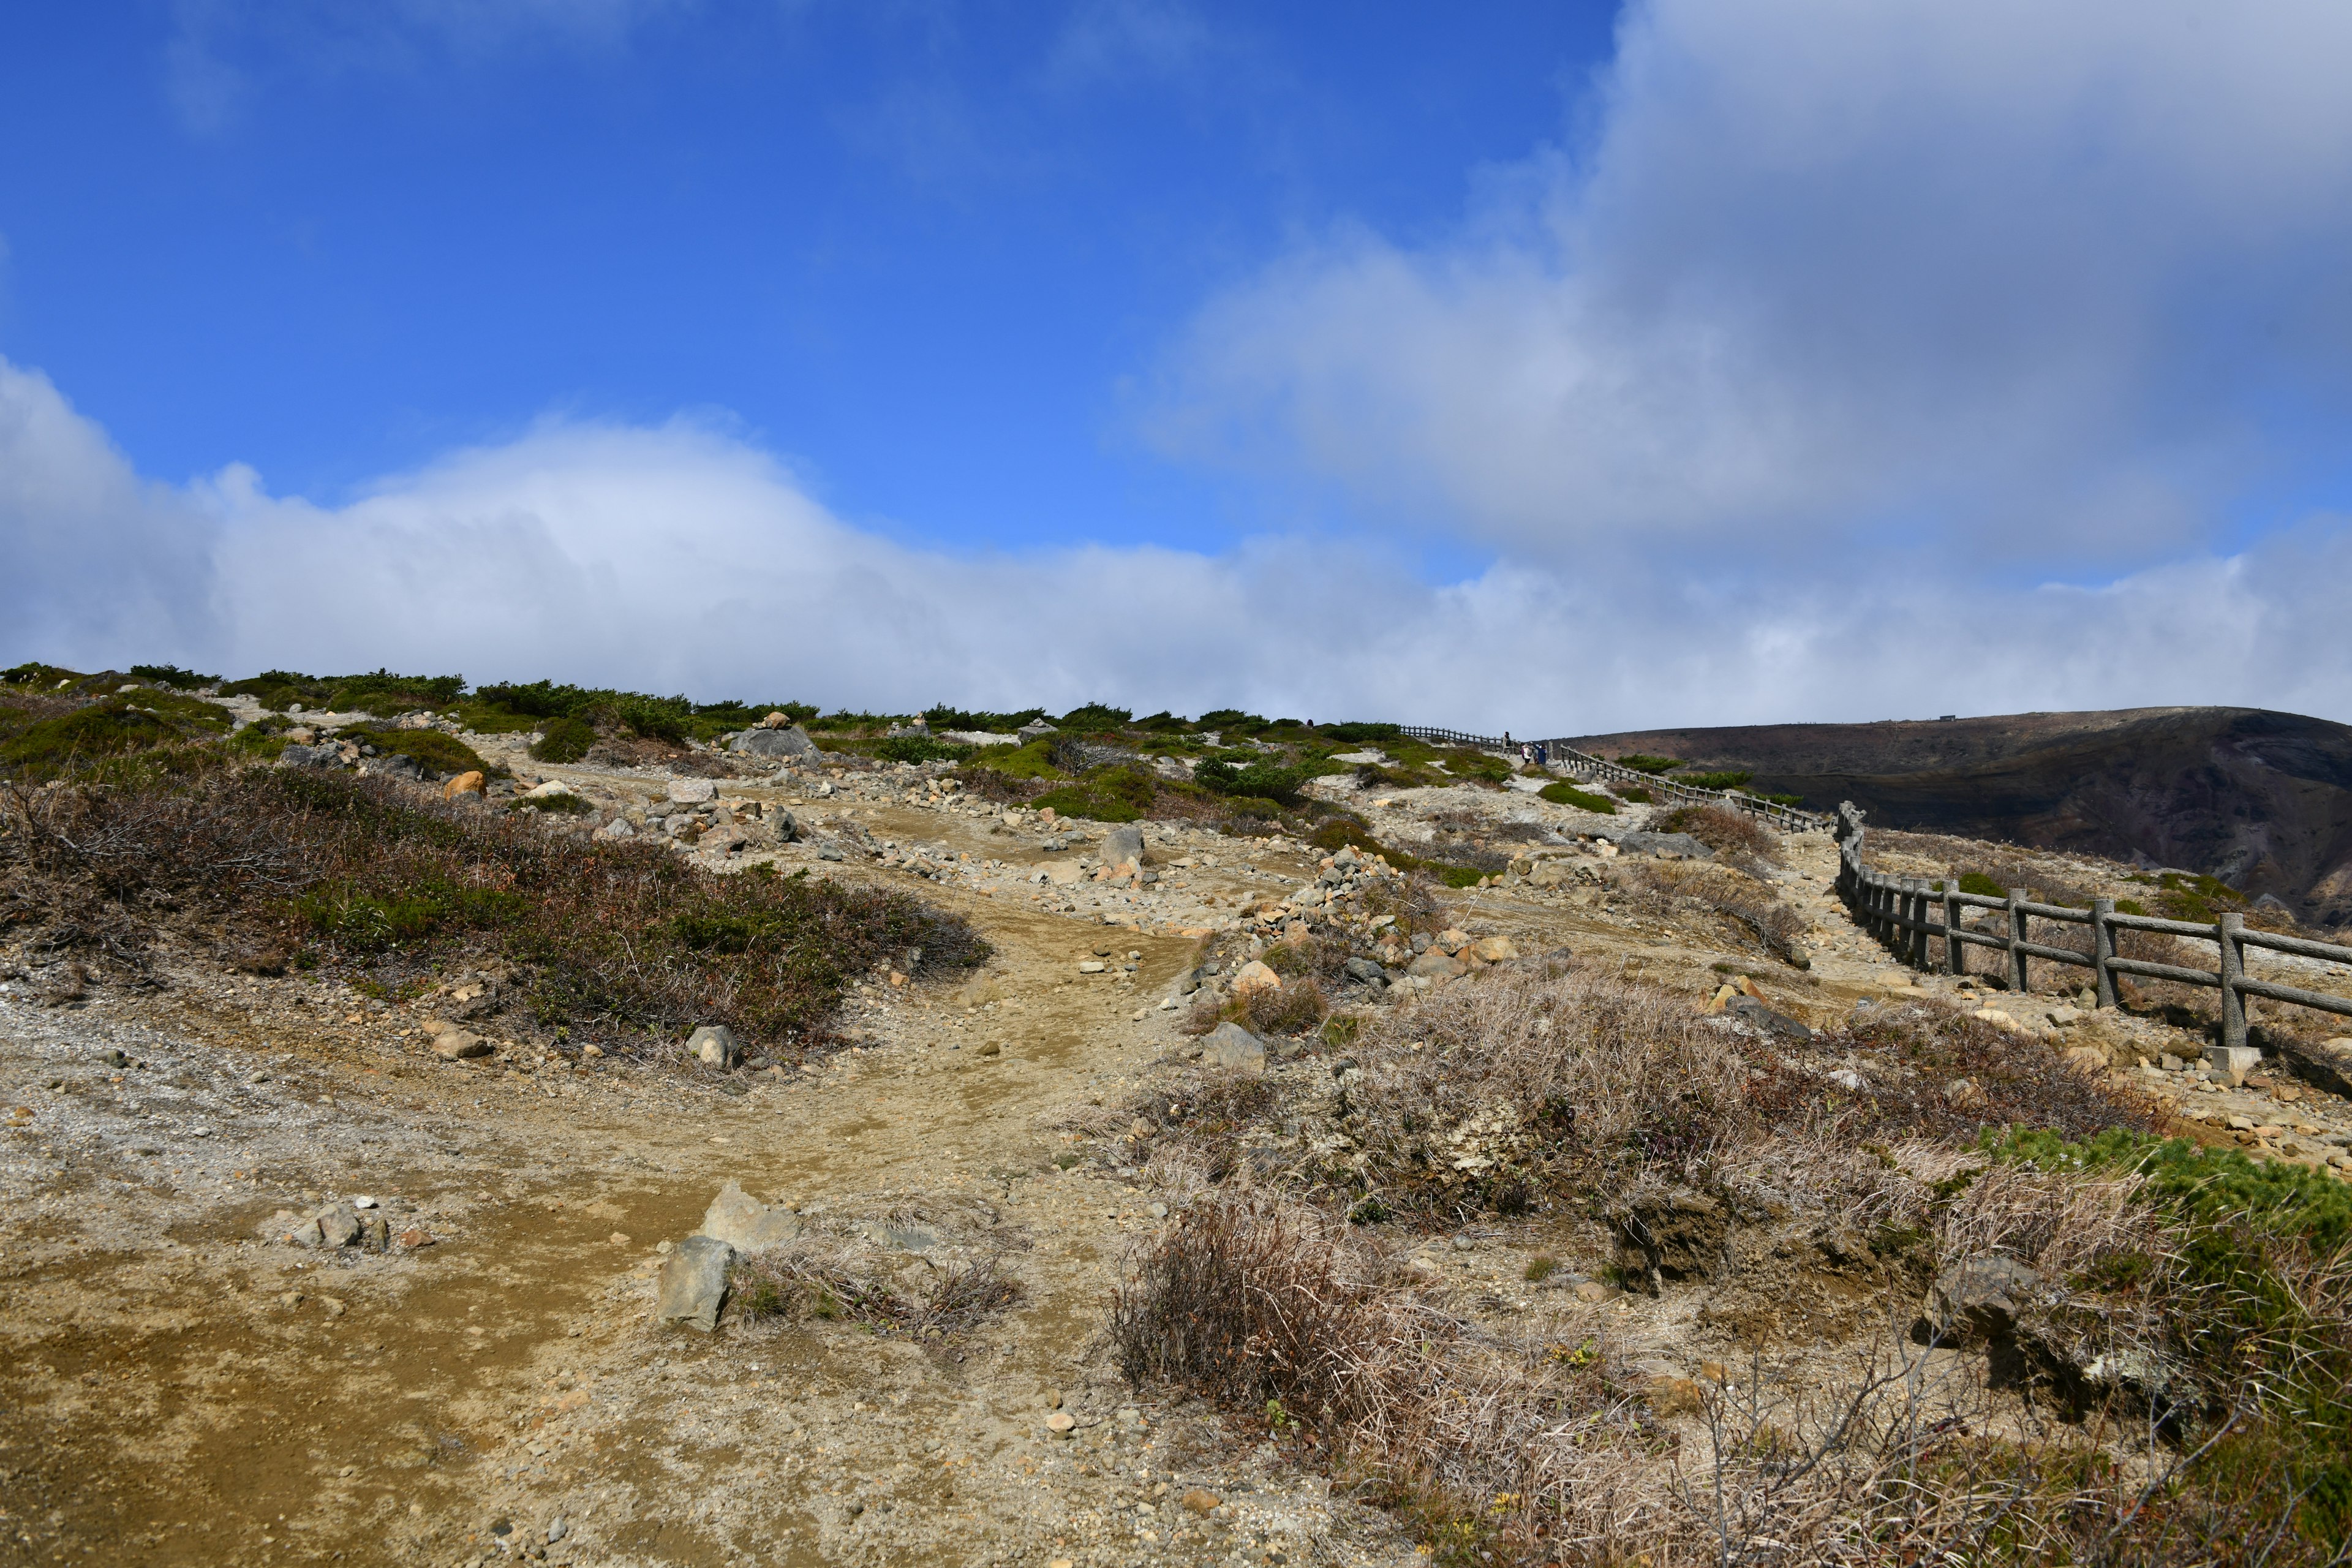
(1231, 1045)
(715, 1044)
(470, 781)
(554, 789)
(1123, 845)
(694, 1283)
(1201, 1502)
(693, 792)
(1435, 965)
(557, 1529)
(1090, 966)
(746, 1224)
(1060, 1423)
(456, 1045)
(1255, 976)
(1975, 1300)
(1495, 949)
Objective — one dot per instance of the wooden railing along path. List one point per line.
(1908, 913)
(1786, 818)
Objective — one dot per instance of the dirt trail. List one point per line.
(177, 1387)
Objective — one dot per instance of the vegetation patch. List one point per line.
(430, 749)
(563, 740)
(1565, 793)
(624, 942)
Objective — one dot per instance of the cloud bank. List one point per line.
(2062, 281)
(680, 557)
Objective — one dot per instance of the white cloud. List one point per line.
(2062, 278)
(679, 557)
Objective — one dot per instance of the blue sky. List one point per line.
(920, 250)
(1552, 367)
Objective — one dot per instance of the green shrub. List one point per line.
(1095, 716)
(1034, 761)
(427, 748)
(1728, 778)
(1978, 883)
(1633, 792)
(1363, 734)
(942, 717)
(1565, 793)
(1261, 780)
(172, 676)
(564, 740)
(1642, 763)
(387, 695)
(1077, 800)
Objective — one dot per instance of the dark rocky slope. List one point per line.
(2262, 800)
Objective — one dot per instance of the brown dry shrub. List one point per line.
(1296, 1007)
(624, 942)
(1522, 1077)
(1723, 829)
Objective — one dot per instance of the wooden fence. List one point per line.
(1908, 913)
(1789, 819)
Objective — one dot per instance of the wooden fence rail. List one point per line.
(1906, 912)
(1789, 819)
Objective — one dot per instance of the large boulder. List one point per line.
(791, 742)
(1254, 976)
(694, 1283)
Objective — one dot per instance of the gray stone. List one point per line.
(792, 741)
(694, 1283)
(339, 1226)
(715, 1044)
(459, 1045)
(1123, 845)
(1765, 1018)
(557, 1529)
(2326, 1063)
(1231, 1045)
(1434, 965)
(1367, 971)
(693, 792)
(1678, 843)
(746, 1224)
(786, 826)
(1032, 730)
(1975, 1300)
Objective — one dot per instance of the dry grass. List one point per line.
(1538, 1443)
(831, 1278)
(1671, 890)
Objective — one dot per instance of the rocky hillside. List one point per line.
(2262, 800)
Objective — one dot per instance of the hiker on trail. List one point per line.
(1543, 758)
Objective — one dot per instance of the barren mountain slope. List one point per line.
(2260, 799)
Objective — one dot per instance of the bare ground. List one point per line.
(176, 1386)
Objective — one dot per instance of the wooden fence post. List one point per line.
(2103, 948)
(1915, 906)
(1954, 961)
(2228, 932)
(2017, 971)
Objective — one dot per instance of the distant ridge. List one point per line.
(2262, 800)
